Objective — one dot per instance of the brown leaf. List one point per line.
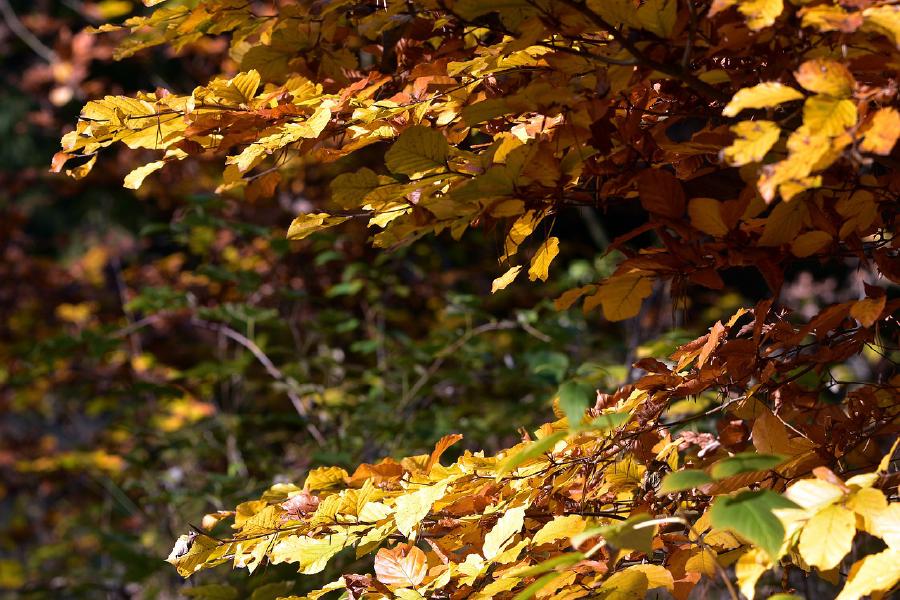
(661, 193)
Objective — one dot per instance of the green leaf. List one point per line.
(272, 591)
(684, 480)
(608, 421)
(574, 398)
(563, 560)
(750, 515)
(418, 150)
(746, 463)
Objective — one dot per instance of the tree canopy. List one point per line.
(729, 137)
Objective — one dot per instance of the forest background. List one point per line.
(167, 353)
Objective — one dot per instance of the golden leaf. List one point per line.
(825, 76)
(748, 570)
(418, 150)
(824, 115)
(658, 16)
(706, 215)
(828, 536)
(755, 140)
(569, 297)
(505, 279)
(759, 13)
(886, 525)
(876, 572)
(501, 534)
(616, 12)
(559, 527)
(622, 295)
(868, 310)
(763, 95)
(880, 133)
(783, 224)
(311, 554)
(134, 179)
(307, 224)
(540, 262)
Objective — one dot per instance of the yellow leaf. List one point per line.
(809, 243)
(867, 502)
(658, 16)
(559, 527)
(877, 572)
(748, 570)
(763, 95)
(825, 76)
(657, 576)
(349, 189)
(307, 224)
(759, 13)
(311, 554)
(830, 18)
(706, 215)
(326, 478)
(505, 279)
(540, 262)
(828, 537)
(823, 115)
(134, 179)
(884, 20)
(814, 493)
(630, 584)
(755, 140)
(239, 90)
(701, 561)
(622, 295)
(82, 170)
(419, 150)
(881, 132)
(521, 229)
(412, 508)
(501, 534)
(868, 310)
(886, 524)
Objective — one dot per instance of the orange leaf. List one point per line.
(444, 443)
(400, 567)
(881, 132)
(867, 311)
(824, 76)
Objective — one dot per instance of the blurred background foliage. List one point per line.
(168, 354)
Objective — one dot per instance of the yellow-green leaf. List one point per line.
(755, 139)
(540, 262)
(763, 95)
(311, 554)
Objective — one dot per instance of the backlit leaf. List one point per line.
(824, 115)
(419, 150)
(501, 534)
(684, 480)
(540, 262)
(763, 95)
(881, 132)
(876, 572)
(305, 225)
(394, 568)
(621, 295)
(824, 76)
(658, 16)
(828, 536)
(706, 215)
(574, 398)
(755, 139)
(505, 279)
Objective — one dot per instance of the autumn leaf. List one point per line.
(880, 133)
(824, 115)
(763, 95)
(825, 76)
(418, 151)
(505, 279)
(755, 139)
(401, 567)
(621, 295)
(540, 262)
(305, 225)
(828, 536)
(706, 215)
